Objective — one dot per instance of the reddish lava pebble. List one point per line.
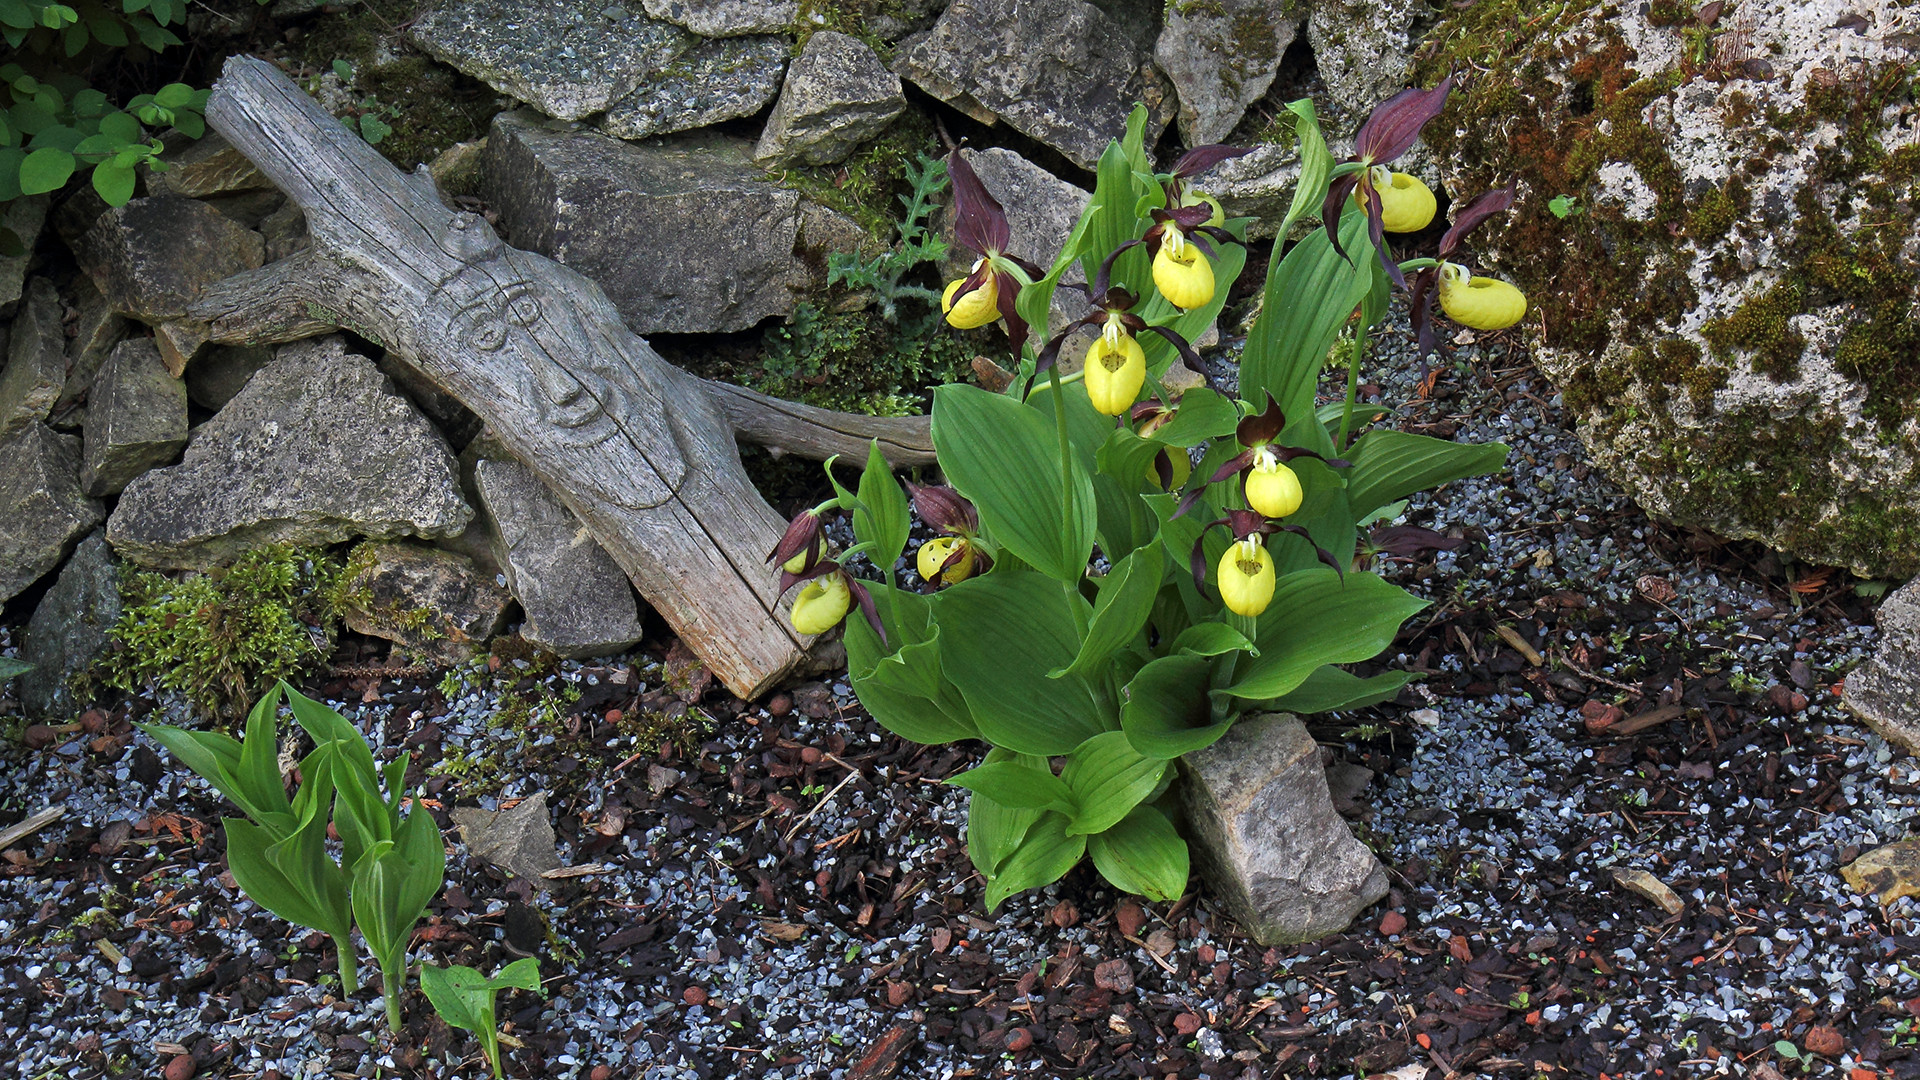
(1826, 1041)
(1064, 914)
(1019, 1039)
(1130, 918)
(601, 1072)
(1393, 923)
(779, 704)
(694, 995)
(180, 1068)
(1187, 1023)
(810, 755)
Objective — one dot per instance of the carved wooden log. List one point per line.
(640, 450)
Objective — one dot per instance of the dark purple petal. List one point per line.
(1201, 158)
(1188, 218)
(979, 221)
(1218, 233)
(1484, 205)
(865, 600)
(1261, 428)
(1163, 469)
(1205, 247)
(1377, 232)
(1422, 304)
(1245, 523)
(1288, 453)
(1103, 280)
(944, 508)
(1337, 195)
(1007, 299)
(819, 569)
(801, 534)
(1187, 356)
(1050, 352)
(1411, 541)
(1197, 559)
(1396, 122)
(1323, 554)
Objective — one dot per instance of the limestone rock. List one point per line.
(221, 372)
(1885, 691)
(136, 419)
(1363, 48)
(518, 840)
(710, 82)
(153, 256)
(316, 449)
(98, 329)
(36, 361)
(1651, 888)
(1265, 835)
(432, 602)
(24, 217)
(285, 231)
(1889, 872)
(576, 598)
(1065, 72)
(1732, 321)
(68, 631)
(1222, 56)
(205, 167)
(685, 235)
(456, 170)
(42, 509)
(726, 18)
(837, 95)
(569, 60)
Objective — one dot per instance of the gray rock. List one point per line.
(136, 419)
(1885, 691)
(454, 420)
(153, 256)
(837, 95)
(42, 509)
(222, 371)
(98, 329)
(456, 170)
(1222, 56)
(519, 839)
(432, 602)
(568, 60)
(316, 449)
(1732, 321)
(710, 82)
(726, 18)
(68, 631)
(285, 231)
(685, 235)
(576, 598)
(205, 167)
(1065, 72)
(1265, 835)
(36, 361)
(1363, 49)
(1259, 185)
(24, 217)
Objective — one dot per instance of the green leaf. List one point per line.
(1389, 465)
(1007, 689)
(522, 974)
(1310, 188)
(1317, 618)
(1212, 639)
(46, 169)
(121, 127)
(190, 124)
(1023, 787)
(905, 688)
(1142, 855)
(114, 182)
(1109, 219)
(452, 991)
(373, 129)
(1167, 713)
(1120, 611)
(1005, 457)
(1044, 856)
(9, 667)
(1202, 415)
(995, 830)
(1309, 296)
(881, 519)
(1108, 778)
(1329, 689)
(266, 885)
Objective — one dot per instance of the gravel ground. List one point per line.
(787, 892)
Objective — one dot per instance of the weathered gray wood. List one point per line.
(637, 448)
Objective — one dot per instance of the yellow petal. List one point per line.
(1185, 279)
(934, 554)
(821, 605)
(974, 310)
(1482, 303)
(1273, 489)
(1246, 578)
(1115, 373)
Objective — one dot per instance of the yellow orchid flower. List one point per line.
(822, 603)
(1482, 303)
(1246, 577)
(938, 563)
(1272, 486)
(1116, 368)
(978, 307)
(1181, 272)
(1406, 203)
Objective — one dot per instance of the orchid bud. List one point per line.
(1406, 202)
(1169, 469)
(1246, 577)
(1479, 302)
(975, 309)
(937, 563)
(1116, 368)
(1182, 273)
(800, 545)
(822, 603)
(1272, 486)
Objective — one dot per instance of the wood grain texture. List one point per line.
(640, 450)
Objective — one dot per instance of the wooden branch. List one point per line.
(790, 427)
(634, 446)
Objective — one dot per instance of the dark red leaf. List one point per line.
(1337, 195)
(1396, 122)
(1006, 299)
(1484, 205)
(1411, 541)
(1187, 356)
(1423, 308)
(980, 223)
(865, 600)
(944, 508)
(1262, 428)
(801, 534)
(1201, 158)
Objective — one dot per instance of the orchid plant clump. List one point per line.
(1099, 604)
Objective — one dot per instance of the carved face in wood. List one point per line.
(533, 351)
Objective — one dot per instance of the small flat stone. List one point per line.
(519, 839)
(207, 166)
(24, 217)
(152, 257)
(1222, 57)
(432, 602)
(1889, 872)
(837, 95)
(1885, 691)
(1651, 888)
(713, 81)
(136, 419)
(98, 329)
(726, 18)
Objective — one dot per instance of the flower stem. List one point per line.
(1354, 357)
(349, 973)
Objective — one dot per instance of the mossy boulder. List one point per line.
(1728, 308)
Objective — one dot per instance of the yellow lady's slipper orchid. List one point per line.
(1182, 273)
(1272, 487)
(822, 603)
(1246, 577)
(1479, 302)
(933, 557)
(1406, 202)
(1116, 368)
(977, 308)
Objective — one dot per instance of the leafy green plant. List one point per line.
(883, 274)
(464, 998)
(368, 117)
(222, 637)
(1565, 206)
(9, 667)
(389, 867)
(1087, 676)
(856, 360)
